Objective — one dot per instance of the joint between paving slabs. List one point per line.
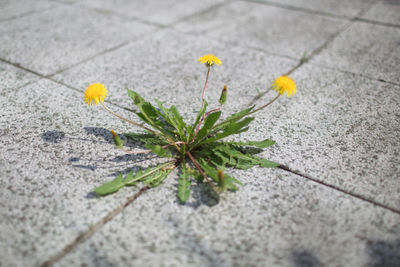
(306, 59)
(92, 229)
(216, 6)
(286, 168)
(299, 9)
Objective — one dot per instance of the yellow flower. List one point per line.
(209, 60)
(95, 93)
(284, 84)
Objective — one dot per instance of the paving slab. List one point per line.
(12, 77)
(367, 49)
(168, 70)
(275, 219)
(58, 38)
(276, 30)
(341, 7)
(342, 129)
(160, 12)
(10, 9)
(365, 166)
(54, 150)
(387, 11)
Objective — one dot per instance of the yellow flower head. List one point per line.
(95, 93)
(284, 84)
(209, 60)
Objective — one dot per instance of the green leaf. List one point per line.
(234, 117)
(149, 114)
(227, 182)
(264, 163)
(173, 117)
(222, 154)
(159, 151)
(145, 175)
(232, 128)
(152, 176)
(184, 184)
(200, 114)
(110, 187)
(260, 144)
(157, 178)
(150, 139)
(208, 123)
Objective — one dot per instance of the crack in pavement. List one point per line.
(92, 229)
(283, 167)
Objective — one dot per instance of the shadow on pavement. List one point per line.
(384, 253)
(304, 258)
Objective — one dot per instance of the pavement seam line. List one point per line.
(299, 9)
(308, 58)
(375, 22)
(283, 167)
(92, 229)
(198, 13)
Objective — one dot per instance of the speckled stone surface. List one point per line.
(341, 7)
(54, 151)
(10, 9)
(13, 77)
(272, 29)
(387, 11)
(367, 49)
(341, 128)
(60, 37)
(158, 12)
(168, 70)
(276, 219)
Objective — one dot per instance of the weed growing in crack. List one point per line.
(198, 148)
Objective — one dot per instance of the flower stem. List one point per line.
(205, 84)
(269, 103)
(142, 126)
(258, 109)
(127, 120)
(202, 119)
(196, 164)
(202, 103)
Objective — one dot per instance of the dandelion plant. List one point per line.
(197, 149)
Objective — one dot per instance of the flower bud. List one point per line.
(222, 98)
(117, 141)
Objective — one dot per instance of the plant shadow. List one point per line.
(383, 253)
(304, 258)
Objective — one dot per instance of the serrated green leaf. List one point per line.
(173, 117)
(260, 144)
(231, 129)
(267, 164)
(157, 178)
(209, 170)
(232, 118)
(150, 139)
(110, 187)
(184, 184)
(222, 154)
(200, 114)
(150, 115)
(153, 176)
(227, 182)
(195, 173)
(160, 151)
(208, 123)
